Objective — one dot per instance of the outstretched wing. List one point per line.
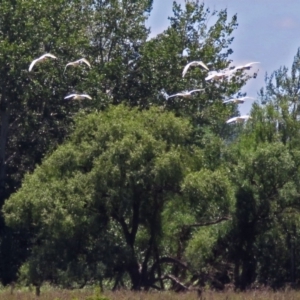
(245, 98)
(228, 101)
(251, 63)
(178, 94)
(70, 96)
(85, 61)
(86, 96)
(197, 90)
(33, 63)
(235, 100)
(245, 117)
(68, 64)
(40, 58)
(231, 120)
(246, 66)
(213, 76)
(186, 68)
(194, 63)
(48, 55)
(202, 64)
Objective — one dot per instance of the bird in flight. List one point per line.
(77, 63)
(238, 119)
(193, 64)
(40, 59)
(214, 75)
(185, 94)
(78, 96)
(238, 100)
(246, 66)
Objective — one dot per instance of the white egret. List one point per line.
(238, 119)
(193, 64)
(40, 59)
(238, 100)
(78, 96)
(246, 66)
(214, 75)
(77, 62)
(185, 94)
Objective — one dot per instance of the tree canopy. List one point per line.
(132, 188)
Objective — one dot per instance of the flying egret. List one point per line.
(40, 59)
(214, 75)
(246, 66)
(77, 62)
(238, 119)
(186, 94)
(238, 100)
(78, 96)
(193, 64)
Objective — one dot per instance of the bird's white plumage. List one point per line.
(194, 63)
(186, 94)
(77, 62)
(40, 59)
(246, 66)
(238, 119)
(238, 100)
(214, 75)
(78, 96)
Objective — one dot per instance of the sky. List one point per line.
(268, 32)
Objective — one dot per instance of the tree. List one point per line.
(266, 175)
(276, 122)
(107, 185)
(281, 96)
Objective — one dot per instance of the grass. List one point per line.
(85, 294)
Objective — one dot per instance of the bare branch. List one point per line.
(176, 280)
(166, 259)
(183, 286)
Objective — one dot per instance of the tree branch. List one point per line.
(135, 220)
(125, 229)
(165, 259)
(176, 280)
(183, 286)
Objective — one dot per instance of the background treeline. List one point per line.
(128, 189)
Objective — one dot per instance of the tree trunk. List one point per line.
(135, 276)
(4, 115)
(37, 290)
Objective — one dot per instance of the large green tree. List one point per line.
(100, 196)
(263, 164)
(124, 198)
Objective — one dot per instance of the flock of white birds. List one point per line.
(72, 63)
(214, 75)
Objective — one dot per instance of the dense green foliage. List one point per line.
(131, 189)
